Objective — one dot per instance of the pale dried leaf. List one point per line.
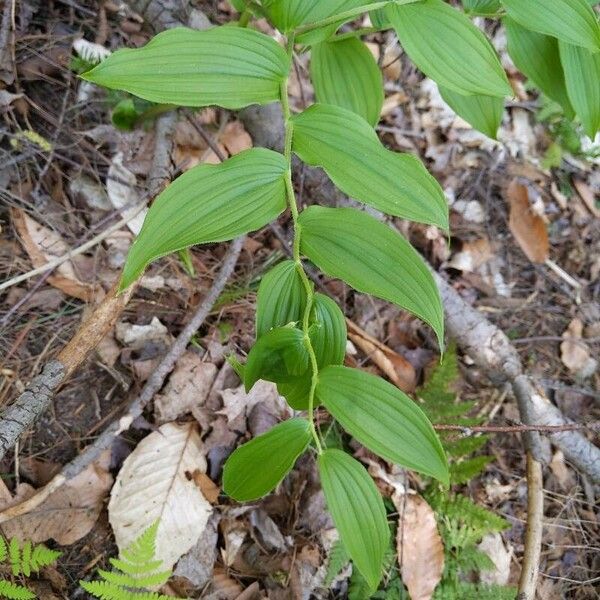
(187, 388)
(138, 335)
(472, 255)
(529, 228)
(44, 245)
(237, 403)
(419, 546)
(122, 193)
(66, 515)
(574, 353)
(235, 138)
(396, 368)
(493, 545)
(587, 195)
(156, 484)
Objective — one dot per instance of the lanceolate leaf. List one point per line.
(447, 47)
(281, 298)
(481, 7)
(484, 113)
(582, 76)
(227, 66)
(357, 510)
(372, 258)
(382, 418)
(210, 203)
(349, 150)
(257, 467)
(536, 55)
(279, 355)
(572, 21)
(345, 74)
(328, 333)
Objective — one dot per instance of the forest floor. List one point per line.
(67, 174)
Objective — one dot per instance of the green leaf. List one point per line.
(481, 7)
(210, 203)
(447, 47)
(348, 149)
(536, 55)
(357, 510)
(582, 76)
(379, 19)
(281, 298)
(338, 558)
(279, 355)
(572, 21)
(484, 113)
(257, 467)
(227, 66)
(346, 74)
(383, 419)
(14, 591)
(372, 258)
(328, 332)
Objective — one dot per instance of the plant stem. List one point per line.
(291, 198)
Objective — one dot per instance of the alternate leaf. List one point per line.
(328, 338)
(350, 152)
(210, 203)
(346, 74)
(572, 21)
(281, 297)
(279, 355)
(484, 113)
(372, 258)
(357, 510)
(582, 76)
(536, 55)
(481, 7)
(227, 66)
(328, 331)
(257, 467)
(448, 48)
(383, 419)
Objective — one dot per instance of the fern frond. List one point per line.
(26, 558)
(135, 569)
(124, 580)
(14, 591)
(15, 556)
(104, 590)
(465, 470)
(338, 559)
(41, 556)
(3, 549)
(464, 446)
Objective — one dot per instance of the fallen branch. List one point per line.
(518, 428)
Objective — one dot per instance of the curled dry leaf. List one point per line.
(493, 545)
(529, 228)
(396, 368)
(66, 515)
(420, 548)
(155, 483)
(574, 353)
(44, 245)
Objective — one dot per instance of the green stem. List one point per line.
(341, 17)
(291, 198)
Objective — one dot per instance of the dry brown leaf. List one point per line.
(493, 545)
(225, 586)
(472, 255)
(187, 389)
(156, 483)
(587, 195)
(210, 490)
(529, 228)
(575, 354)
(44, 245)
(398, 370)
(66, 515)
(235, 138)
(420, 548)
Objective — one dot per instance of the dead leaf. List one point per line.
(559, 469)
(529, 228)
(210, 490)
(472, 255)
(574, 353)
(493, 545)
(66, 515)
(154, 484)
(136, 336)
(420, 548)
(44, 245)
(235, 138)
(587, 195)
(123, 194)
(187, 388)
(238, 403)
(398, 370)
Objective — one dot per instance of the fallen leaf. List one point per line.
(136, 336)
(559, 469)
(574, 353)
(187, 388)
(420, 548)
(44, 245)
(588, 197)
(235, 138)
(529, 228)
(66, 515)
(472, 255)
(154, 484)
(210, 490)
(493, 545)
(398, 370)
(237, 402)
(122, 193)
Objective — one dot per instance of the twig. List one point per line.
(136, 407)
(518, 428)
